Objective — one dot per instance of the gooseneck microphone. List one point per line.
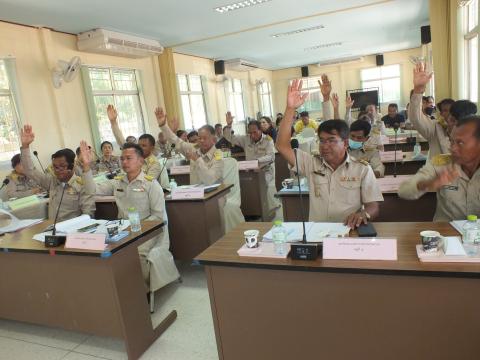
(5, 183)
(56, 240)
(38, 159)
(395, 126)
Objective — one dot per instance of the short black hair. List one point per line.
(339, 126)
(446, 101)
(192, 134)
(361, 125)
(105, 143)
(471, 119)
(69, 156)
(208, 128)
(267, 119)
(304, 113)
(255, 123)
(393, 105)
(136, 147)
(427, 98)
(179, 133)
(218, 125)
(149, 137)
(463, 108)
(15, 160)
(77, 151)
(131, 136)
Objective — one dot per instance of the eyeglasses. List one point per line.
(60, 168)
(329, 141)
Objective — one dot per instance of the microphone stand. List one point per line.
(304, 239)
(55, 240)
(395, 128)
(36, 155)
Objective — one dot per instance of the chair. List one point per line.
(232, 215)
(308, 133)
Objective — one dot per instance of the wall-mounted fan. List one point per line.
(65, 71)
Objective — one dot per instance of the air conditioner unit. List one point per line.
(113, 43)
(341, 61)
(240, 65)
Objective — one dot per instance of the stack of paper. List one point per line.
(315, 231)
(17, 224)
(459, 224)
(23, 202)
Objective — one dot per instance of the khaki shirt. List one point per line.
(372, 156)
(207, 169)
(431, 130)
(78, 199)
(20, 186)
(111, 165)
(454, 201)
(152, 167)
(144, 193)
(335, 194)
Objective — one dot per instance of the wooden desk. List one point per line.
(404, 146)
(336, 310)
(80, 290)
(406, 165)
(392, 209)
(254, 194)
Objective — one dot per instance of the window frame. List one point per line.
(261, 94)
(189, 93)
(468, 36)
(315, 79)
(90, 97)
(230, 91)
(364, 83)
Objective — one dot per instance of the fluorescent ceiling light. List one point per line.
(298, 31)
(239, 5)
(322, 46)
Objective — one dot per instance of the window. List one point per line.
(470, 23)
(235, 99)
(9, 117)
(119, 87)
(386, 79)
(265, 97)
(193, 101)
(314, 98)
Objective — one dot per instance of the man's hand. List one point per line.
(356, 219)
(112, 114)
(446, 177)
(192, 155)
(26, 136)
(295, 98)
(334, 100)
(348, 102)
(229, 118)
(325, 87)
(161, 116)
(421, 78)
(85, 156)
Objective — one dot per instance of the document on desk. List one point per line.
(180, 169)
(17, 224)
(23, 202)
(315, 231)
(248, 165)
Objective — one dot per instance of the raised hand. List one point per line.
(229, 118)
(86, 156)
(27, 136)
(161, 116)
(349, 102)
(112, 113)
(334, 100)
(192, 155)
(295, 98)
(174, 124)
(325, 87)
(421, 77)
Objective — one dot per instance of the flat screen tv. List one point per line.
(364, 98)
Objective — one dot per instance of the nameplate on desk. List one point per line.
(391, 183)
(386, 156)
(180, 169)
(181, 193)
(248, 165)
(360, 248)
(85, 241)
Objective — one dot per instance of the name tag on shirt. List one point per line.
(451, 187)
(138, 190)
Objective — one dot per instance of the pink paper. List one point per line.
(85, 241)
(390, 183)
(177, 170)
(360, 249)
(248, 165)
(188, 193)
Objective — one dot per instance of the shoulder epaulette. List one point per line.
(268, 137)
(13, 176)
(441, 159)
(361, 161)
(80, 181)
(148, 177)
(218, 154)
(119, 177)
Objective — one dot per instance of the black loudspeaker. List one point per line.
(219, 67)
(426, 36)
(304, 71)
(379, 59)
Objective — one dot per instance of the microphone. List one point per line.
(5, 183)
(36, 155)
(303, 250)
(56, 240)
(396, 125)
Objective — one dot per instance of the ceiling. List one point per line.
(355, 27)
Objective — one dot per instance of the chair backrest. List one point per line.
(231, 176)
(308, 133)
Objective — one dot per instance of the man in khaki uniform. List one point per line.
(341, 189)
(455, 177)
(151, 166)
(144, 193)
(435, 132)
(206, 165)
(359, 135)
(258, 146)
(19, 185)
(78, 199)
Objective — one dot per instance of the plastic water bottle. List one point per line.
(173, 184)
(279, 237)
(417, 149)
(134, 218)
(471, 231)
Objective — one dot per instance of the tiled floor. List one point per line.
(191, 336)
